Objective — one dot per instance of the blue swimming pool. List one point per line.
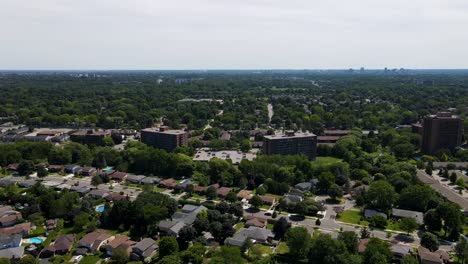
(36, 240)
(107, 168)
(100, 208)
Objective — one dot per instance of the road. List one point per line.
(448, 193)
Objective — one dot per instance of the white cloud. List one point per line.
(185, 34)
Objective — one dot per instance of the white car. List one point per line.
(77, 259)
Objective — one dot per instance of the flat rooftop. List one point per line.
(283, 135)
(166, 131)
(204, 154)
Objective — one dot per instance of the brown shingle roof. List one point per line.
(223, 191)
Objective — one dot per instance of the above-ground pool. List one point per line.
(36, 240)
(100, 208)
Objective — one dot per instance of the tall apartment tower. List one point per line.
(164, 138)
(441, 131)
(291, 143)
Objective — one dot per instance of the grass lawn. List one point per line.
(394, 225)
(352, 217)
(282, 248)
(270, 226)
(90, 260)
(326, 160)
(239, 226)
(157, 189)
(197, 196)
(259, 250)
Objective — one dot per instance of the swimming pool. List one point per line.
(100, 208)
(107, 168)
(36, 240)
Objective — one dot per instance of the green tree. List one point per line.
(167, 246)
(194, 254)
(245, 145)
(408, 224)
(378, 221)
(25, 167)
(461, 249)
(28, 259)
(350, 240)
(453, 177)
(280, 227)
(381, 195)
(335, 192)
(256, 201)
(377, 251)
(460, 183)
(227, 255)
(80, 222)
(432, 220)
(298, 241)
(325, 249)
(430, 241)
(119, 256)
(409, 260)
(211, 193)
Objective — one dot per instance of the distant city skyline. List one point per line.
(224, 34)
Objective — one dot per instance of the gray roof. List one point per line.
(189, 214)
(8, 241)
(369, 213)
(138, 178)
(28, 183)
(303, 186)
(292, 198)
(418, 216)
(400, 249)
(252, 232)
(145, 244)
(9, 253)
(151, 180)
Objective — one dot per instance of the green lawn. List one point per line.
(394, 225)
(352, 217)
(270, 226)
(259, 250)
(282, 248)
(239, 226)
(326, 160)
(90, 260)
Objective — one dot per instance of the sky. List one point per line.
(233, 34)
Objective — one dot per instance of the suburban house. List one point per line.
(288, 198)
(96, 193)
(94, 240)
(72, 168)
(170, 227)
(88, 171)
(168, 183)
(260, 235)
(15, 253)
(55, 168)
(62, 245)
(10, 241)
(399, 251)
(399, 213)
(267, 199)
(18, 229)
(369, 213)
(115, 197)
(118, 176)
(27, 183)
(255, 221)
(144, 250)
(150, 180)
(199, 189)
(303, 186)
(51, 224)
(428, 257)
(10, 218)
(223, 191)
(136, 179)
(120, 242)
(244, 194)
(180, 219)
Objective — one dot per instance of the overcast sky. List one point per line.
(233, 34)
